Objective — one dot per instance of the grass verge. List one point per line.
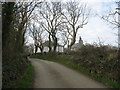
(104, 80)
(25, 80)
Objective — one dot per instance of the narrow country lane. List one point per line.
(50, 74)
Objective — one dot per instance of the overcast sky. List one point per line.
(96, 27)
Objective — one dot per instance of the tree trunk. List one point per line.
(41, 48)
(73, 40)
(36, 48)
(55, 43)
(49, 44)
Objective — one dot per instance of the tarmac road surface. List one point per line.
(50, 74)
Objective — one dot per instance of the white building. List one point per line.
(77, 45)
(46, 48)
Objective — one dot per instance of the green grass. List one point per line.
(25, 81)
(114, 84)
(94, 76)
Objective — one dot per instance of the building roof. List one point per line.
(76, 45)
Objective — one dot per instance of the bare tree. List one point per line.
(76, 16)
(50, 14)
(112, 16)
(23, 15)
(65, 39)
(37, 34)
(65, 36)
